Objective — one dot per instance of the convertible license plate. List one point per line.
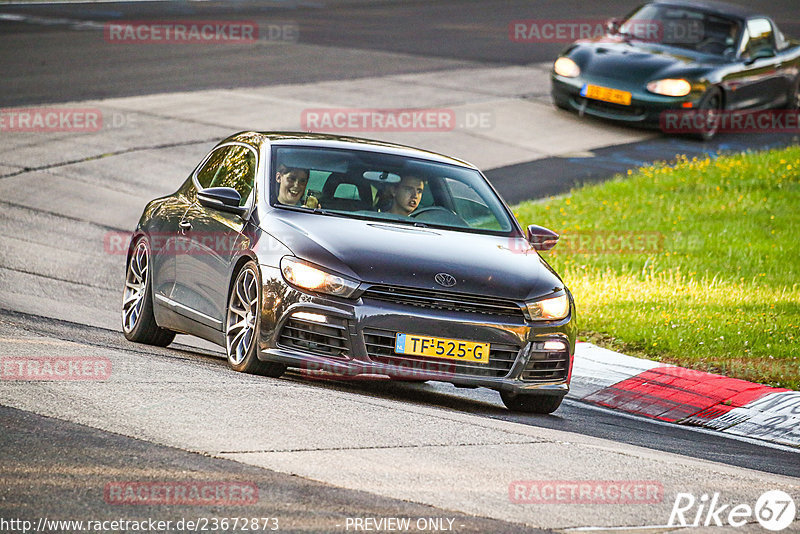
(606, 94)
(437, 347)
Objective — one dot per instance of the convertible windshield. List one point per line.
(683, 27)
(373, 185)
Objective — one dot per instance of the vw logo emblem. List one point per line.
(444, 279)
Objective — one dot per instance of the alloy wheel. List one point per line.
(242, 314)
(712, 108)
(135, 286)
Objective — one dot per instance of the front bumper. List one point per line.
(352, 338)
(645, 109)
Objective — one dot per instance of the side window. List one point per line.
(759, 38)
(230, 166)
(213, 168)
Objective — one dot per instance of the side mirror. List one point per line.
(612, 25)
(222, 199)
(541, 238)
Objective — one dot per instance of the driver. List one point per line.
(406, 195)
(292, 182)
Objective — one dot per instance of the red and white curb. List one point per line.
(683, 396)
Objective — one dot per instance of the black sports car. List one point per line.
(352, 257)
(674, 55)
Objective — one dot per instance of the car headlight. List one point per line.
(565, 67)
(306, 276)
(670, 87)
(550, 309)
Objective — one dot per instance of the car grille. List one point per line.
(546, 366)
(307, 336)
(380, 349)
(443, 300)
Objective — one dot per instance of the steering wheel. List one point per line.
(439, 214)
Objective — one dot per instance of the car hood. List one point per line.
(637, 62)
(379, 252)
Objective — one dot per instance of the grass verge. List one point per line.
(695, 263)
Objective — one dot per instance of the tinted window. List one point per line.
(230, 166)
(372, 185)
(683, 27)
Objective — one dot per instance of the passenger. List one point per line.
(292, 185)
(406, 195)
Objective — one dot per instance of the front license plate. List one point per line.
(606, 94)
(437, 347)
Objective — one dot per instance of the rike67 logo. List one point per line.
(774, 510)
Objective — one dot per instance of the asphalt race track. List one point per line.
(320, 452)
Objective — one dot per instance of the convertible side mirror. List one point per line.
(222, 199)
(541, 238)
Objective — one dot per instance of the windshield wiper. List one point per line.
(306, 209)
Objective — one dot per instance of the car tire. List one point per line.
(138, 321)
(793, 101)
(561, 105)
(242, 324)
(712, 102)
(409, 380)
(530, 403)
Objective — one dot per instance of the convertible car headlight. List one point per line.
(549, 309)
(304, 275)
(670, 87)
(564, 66)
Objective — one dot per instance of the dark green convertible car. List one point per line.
(677, 56)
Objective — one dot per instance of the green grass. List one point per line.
(718, 289)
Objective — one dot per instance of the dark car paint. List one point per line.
(410, 256)
(629, 64)
(370, 251)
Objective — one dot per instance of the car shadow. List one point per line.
(479, 401)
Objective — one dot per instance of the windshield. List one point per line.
(377, 186)
(683, 27)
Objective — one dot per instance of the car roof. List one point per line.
(717, 8)
(309, 139)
